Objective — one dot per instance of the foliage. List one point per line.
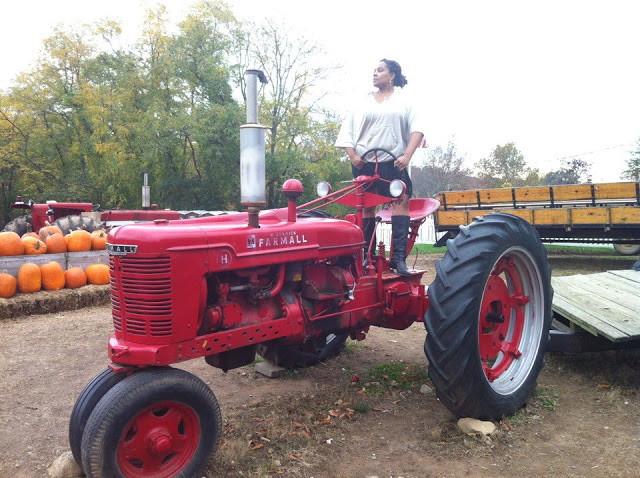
(443, 171)
(632, 172)
(91, 116)
(505, 167)
(572, 172)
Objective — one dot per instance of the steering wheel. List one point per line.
(374, 150)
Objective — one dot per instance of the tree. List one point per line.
(505, 165)
(443, 171)
(633, 165)
(571, 172)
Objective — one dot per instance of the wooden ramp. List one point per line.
(606, 304)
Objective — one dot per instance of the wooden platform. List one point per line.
(606, 304)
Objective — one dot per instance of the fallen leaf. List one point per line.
(604, 386)
(334, 413)
(292, 458)
(297, 425)
(376, 409)
(257, 447)
(265, 439)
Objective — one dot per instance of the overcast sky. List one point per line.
(558, 78)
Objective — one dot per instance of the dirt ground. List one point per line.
(584, 419)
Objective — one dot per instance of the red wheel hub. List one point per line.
(501, 319)
(159, 441)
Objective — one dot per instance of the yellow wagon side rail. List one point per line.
(608, 212)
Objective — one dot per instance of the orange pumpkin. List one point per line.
(78, 241)
(98, 240)
(31, 234)
(47, 230)
(33, 246)
(29, 278)
(10, 244)
(98, 274)
(52, 276)
(56, 244)
(7, 285)
(74, 278)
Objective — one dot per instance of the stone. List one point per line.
(269, 370)
(64, 467)
(426, 389)
(473, 426)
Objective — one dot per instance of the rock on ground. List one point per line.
(65, 467)
(476, 427)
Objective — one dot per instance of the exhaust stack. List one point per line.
(252, 152)
(146, 191)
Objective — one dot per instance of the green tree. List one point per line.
(632, 171)
(505, 166)
(443, 171)
(571, 172)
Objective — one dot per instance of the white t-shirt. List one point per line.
(387, 125)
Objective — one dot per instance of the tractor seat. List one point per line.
(419, 208)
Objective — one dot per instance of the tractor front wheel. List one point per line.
(68, 224)
(156, 422)
(489, 317)
(86, 402)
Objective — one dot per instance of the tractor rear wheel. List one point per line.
(305, 355)
(489, 317)
(20, 225)
(156, 422)
(68, 224)
(86, 402)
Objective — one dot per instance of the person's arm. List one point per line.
(414, 141)
(355, 159)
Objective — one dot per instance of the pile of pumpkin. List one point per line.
(51, 276)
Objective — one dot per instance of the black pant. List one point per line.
(386, 171)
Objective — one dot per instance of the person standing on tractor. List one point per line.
(385, 119)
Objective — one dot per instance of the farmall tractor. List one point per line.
(289, 284)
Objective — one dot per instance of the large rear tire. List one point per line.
(20, 225)
(305, 355)
(489, 317)
(74, 222)
(156, 422)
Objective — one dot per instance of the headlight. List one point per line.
(397, 188)
(323, 189)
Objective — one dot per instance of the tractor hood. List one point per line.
(227, 242)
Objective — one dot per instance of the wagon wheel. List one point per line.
(310, 353)
(157, 422)
(86, 402)
(74, 222)
(627, 249)
(20, 225)
(489, 316)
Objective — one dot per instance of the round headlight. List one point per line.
(323, 189)
(397, 188)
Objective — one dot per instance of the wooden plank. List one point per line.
(589, 215)
(451, 218)
(551, 216)
(454, 198)
(70, 259)
(612, 287)
(537, 194)
(571, 192)
(585, 319)
(616, 282)
(494, 196)
(625, 215)
(631, 275)
(615, 191)
(607, 310)
(526, 214)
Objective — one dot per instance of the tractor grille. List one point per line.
(141, 295)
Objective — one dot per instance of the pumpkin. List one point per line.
(74, 278)
(56, 244)
(7, 285)
(98, 274)
(47, 230)
(29, 278)
(52, 276)
(98, 240)
(33, 246)
(78, 241)
(10, 244)
(30, 234)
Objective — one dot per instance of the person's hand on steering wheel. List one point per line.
(402, 162)
(357, 161)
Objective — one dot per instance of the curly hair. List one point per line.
(395, 68)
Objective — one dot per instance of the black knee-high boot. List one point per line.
(368, 230)
(400, 235)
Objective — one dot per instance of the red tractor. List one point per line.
(289, 284)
